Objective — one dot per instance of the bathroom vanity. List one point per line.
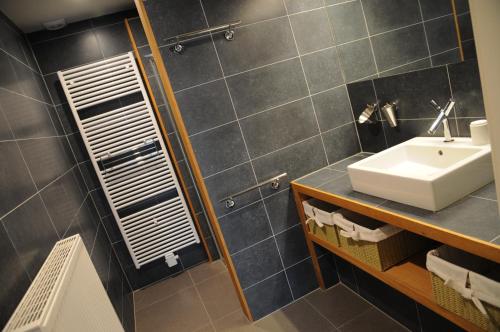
(471, 224)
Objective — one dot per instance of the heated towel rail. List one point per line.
(113, 112)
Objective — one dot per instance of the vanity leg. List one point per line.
(298, 197)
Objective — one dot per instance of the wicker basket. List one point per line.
(320, 220)
(452, 300)
(386, 247)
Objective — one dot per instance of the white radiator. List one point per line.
(66, 295)
(130, 157)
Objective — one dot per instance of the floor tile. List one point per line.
(206, 328)
(179, 313)
(205, 271)
(297, 317)
(159, 291)
(338, 304)
(236, 321)
(218, 296)
(372, 320)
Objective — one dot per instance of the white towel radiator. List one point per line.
(113, 112)
(66, 295)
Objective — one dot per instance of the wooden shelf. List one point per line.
(409, 277)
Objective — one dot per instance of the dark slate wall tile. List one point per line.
(205, 107)
(236, 56)
(138, 32)
(5, 131)
(332, 108)
(192, 255)
(297, 122)
(232, 180)
(347, 21)
(465, 24)
(282, 211)
(55, 89)
(396, 304)
(399, 47)
(63, 199)
(150, 273)
(410, 89)
(409, 67)
(430, 321)
(452, 56)
(87, 221)
(245, 227)
(46, 158)
(432, 8)
(311, 30)
(257, 263)
(14, 279)
(8, 79)
(17, 185)
(466, 89)
(441, 34)
(113, 40)
(292, 245)
(33, 241)
(100, 255)
(266, 87)
(295, 6)
(371, 135)
(220, 12)
(328, 270)
(219, 148)
(66, 52)
(302, 278)
(171, 18)
(296, 160)
(322, 70)
(357, 60)
(341, 142)
(346, 273)
(100, 202)
(268, 295)
(384, 15)
(34, 120)
(197, 64)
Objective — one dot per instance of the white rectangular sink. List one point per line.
(424, 172)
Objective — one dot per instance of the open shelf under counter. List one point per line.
(471, 224)
(410, 277)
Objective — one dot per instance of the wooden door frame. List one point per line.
(188, 149)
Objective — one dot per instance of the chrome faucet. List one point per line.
(442, 118)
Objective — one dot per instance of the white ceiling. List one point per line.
(29, 15)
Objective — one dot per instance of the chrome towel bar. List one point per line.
(228, 34)
(275, 184)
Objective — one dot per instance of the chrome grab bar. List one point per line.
(179, 47)
(275, 184)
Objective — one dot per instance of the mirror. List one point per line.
(440, 33)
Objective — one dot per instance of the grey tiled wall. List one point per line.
(414, 91)
(80, 43)
(44, 197)
(275, 100)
